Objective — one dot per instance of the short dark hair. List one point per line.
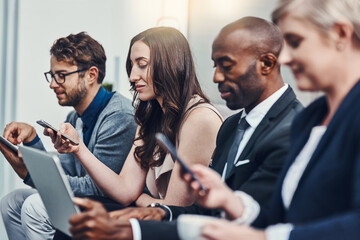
(267, 36)
(81, 50)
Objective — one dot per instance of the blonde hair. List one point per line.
(323, 13)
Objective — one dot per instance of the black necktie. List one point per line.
(241, 128)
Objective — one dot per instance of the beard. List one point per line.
(76, 95)
(248, 93)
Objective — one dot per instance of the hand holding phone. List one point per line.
(63, 136)
(12, 147)
(165, 143)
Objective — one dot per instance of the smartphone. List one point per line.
(47, 125)
(165, 143)
(11, 146)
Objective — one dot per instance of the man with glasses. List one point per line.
(104, 120)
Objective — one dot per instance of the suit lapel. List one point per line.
(266, 124)
(261, 129)
(226, 137)
(332, 129)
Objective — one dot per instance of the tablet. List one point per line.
(11, 146)
(53, 186)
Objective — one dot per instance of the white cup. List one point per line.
(189, 226)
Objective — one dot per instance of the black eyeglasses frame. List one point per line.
(61, 75)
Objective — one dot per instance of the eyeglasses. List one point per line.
(60, 77)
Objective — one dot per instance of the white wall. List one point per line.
(112, 22)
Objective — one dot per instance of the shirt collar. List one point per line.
(92, 109)
(255, 116)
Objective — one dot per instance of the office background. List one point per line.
(29, 27)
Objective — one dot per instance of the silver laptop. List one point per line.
(51, 182)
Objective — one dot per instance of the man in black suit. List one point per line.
(248, 75)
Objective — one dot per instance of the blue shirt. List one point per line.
(92, 112)
(89, 116)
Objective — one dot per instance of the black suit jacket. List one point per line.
(266, 150)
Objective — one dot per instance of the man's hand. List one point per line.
(141, 213)
(15, 161)
(96, 223)
(18, 132)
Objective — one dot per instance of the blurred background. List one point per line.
(29, 27)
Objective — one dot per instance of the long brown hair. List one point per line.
(174, 79)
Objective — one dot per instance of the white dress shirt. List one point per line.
(254, 117)
(290, 183)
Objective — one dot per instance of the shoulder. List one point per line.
(202, 116)
(118, 113)
(287, 104)
(120, 103)
(118, 107)
(200, 123)
(199, 106)
(312, 112)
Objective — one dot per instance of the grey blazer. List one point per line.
(110, 142)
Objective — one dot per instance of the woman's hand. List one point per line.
(64, 145)
(217, 194)
(222, 229)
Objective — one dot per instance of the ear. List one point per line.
(93, 74)
(343, 33)
(268, 62)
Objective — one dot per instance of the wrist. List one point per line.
(233, 206)
(31, 136)
(124, 230)
(164, 211)
(143, 200)
(80, 150)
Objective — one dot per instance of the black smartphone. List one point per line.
(165, 143)
(8, 144)
(47, 125)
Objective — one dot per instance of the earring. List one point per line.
(340, 46)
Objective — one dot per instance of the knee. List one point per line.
(13, 201)
(9, 204)
(32, 207)
(5, 204)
